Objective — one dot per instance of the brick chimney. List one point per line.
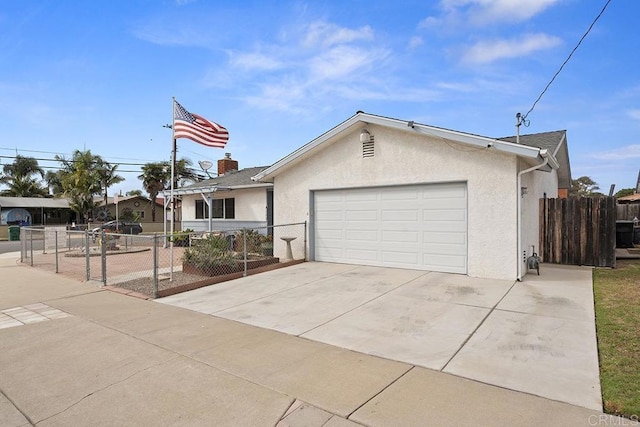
(227, 165)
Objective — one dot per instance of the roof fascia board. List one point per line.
(507, 147)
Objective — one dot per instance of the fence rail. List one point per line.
(578, 231)
(157, 265)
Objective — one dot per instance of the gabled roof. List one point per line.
(360, 117)
(232, 180)
(100, 199)
(556, 143)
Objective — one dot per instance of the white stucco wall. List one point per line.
(250, 206)
(409, 158)
(538, 184)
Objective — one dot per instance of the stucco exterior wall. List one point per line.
(410, 158)
(250, 209)
(538, 184)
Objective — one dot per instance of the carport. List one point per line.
(535, 336)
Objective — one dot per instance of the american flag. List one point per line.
(197, 128)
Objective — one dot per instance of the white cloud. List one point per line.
(488, 51)
(487, 12)
(255, 61)
(415, 42)
(325, 34)
(622, 153)
(344, 61)
(634, 114)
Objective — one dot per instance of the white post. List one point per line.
(173, 171)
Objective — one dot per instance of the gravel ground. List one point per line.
(145, 285)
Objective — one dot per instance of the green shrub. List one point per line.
(181, 238)
(210, 252)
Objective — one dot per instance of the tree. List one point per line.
(155, 177)
(625, 192)
(81, 180)
(108, 177)
(21, 178)
(184, 173)
(54, 183)
(584, 187)
(134, 193)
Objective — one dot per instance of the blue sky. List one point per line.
(100, 75)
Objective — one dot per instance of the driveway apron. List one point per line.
(535, 336)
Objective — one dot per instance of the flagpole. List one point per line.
(173, 171)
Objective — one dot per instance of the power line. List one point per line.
(566, 60)
(67, 154)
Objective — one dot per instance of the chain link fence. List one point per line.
(159, 265)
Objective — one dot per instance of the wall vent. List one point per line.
(368, 148)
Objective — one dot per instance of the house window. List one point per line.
(202, 209)
(221, 209)
(218, 208)
(230, 208)
(139, 214)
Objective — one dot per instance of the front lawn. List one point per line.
(617, 305)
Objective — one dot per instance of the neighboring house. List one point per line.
(230, 201)
(556, 143)
(35, 210)
(630, 199)
(387, 192)
(137, 207)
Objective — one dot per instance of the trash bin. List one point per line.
(14, 233)
(624, 234)
(636, 235)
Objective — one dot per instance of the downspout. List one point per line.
(545, 156)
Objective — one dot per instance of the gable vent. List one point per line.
(368, 148)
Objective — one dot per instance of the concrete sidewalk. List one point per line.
(75, 354)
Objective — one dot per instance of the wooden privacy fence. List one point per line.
(627, 212)
(578, 231)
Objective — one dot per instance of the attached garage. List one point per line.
(410, 226)
(386, 192)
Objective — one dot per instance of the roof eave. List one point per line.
(460, 137)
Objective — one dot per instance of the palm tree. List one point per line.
(21, 178)
(155, 177)
(184, 173)
(54, 183)
(108, 177)
(81, 180)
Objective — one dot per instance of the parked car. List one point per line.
(120, 227)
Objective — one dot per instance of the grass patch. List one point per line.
(617, 305)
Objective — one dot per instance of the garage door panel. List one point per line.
(438, 237)
(439, 204)
(400, 236)
(404, 194)
(360, 196)
(400, 215)
(412, 226)
(327, 216)
(449, 226)
(368, 257)
(443, 215)
(362, 215)
(445, 249)
(437, 261)
(362, 235)
(397, 258)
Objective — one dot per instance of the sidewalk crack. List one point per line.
(105, 388)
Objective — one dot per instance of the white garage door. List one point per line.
(411, 226)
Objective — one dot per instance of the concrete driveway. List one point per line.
(536, 336)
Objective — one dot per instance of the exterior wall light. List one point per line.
(365, 136)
